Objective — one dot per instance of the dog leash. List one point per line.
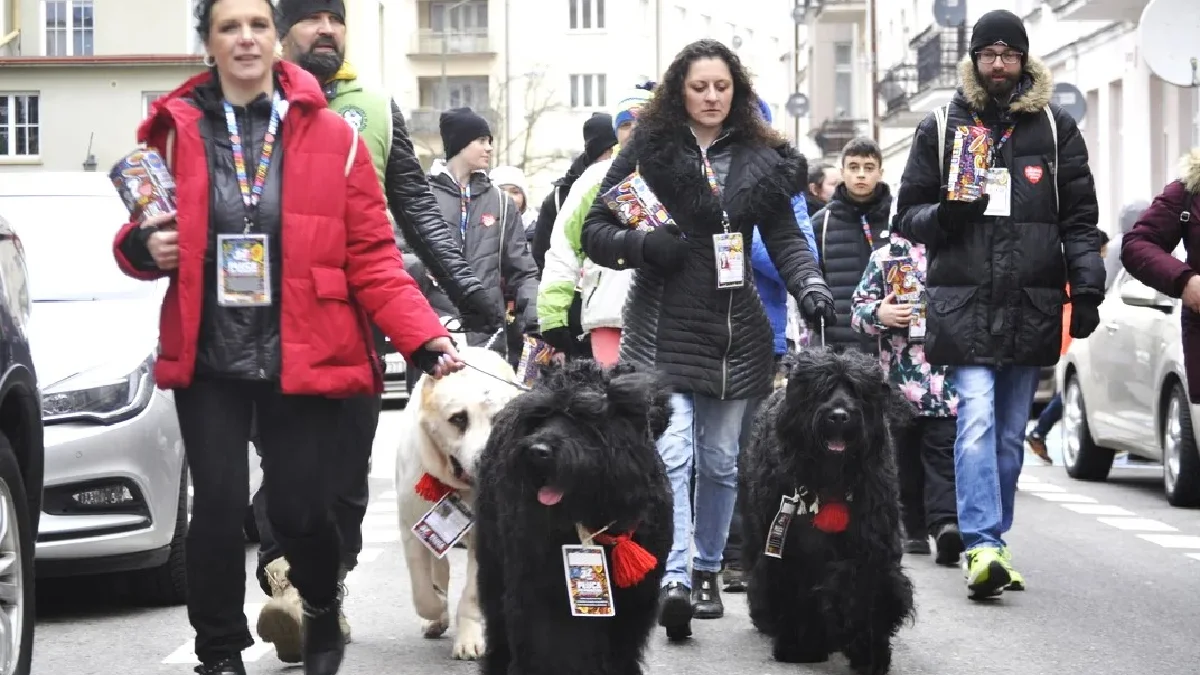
(453, 323)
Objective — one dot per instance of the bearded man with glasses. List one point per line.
(997, 268)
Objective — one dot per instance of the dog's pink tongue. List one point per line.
(837, 446)
(548, 496)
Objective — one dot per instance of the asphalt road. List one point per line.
(1113, 574)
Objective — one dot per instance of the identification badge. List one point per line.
(588, 587)
(999, 190)
(916, 327)
(243, 270)
(444, 525)
(779, 527)
(731, 259)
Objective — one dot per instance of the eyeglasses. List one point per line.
(1008, 57)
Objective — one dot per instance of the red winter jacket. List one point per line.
(339, 254)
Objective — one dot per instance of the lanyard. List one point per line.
(1003, 137)
(464, 199)
(866, 225)
(251, 194)
(716, 189)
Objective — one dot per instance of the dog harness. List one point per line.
(828, 516)
(631, 562)
(431, 489)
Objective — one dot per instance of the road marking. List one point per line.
(380, 537)
(1138, 524)
(1173, 540)
(186, 655)
(369, 555)
(389, 495)
(380, 521)
(1193, 556)
(1041, 487)
(1098, 509)
(1065, 497)
(383, 507)
(1028, 479)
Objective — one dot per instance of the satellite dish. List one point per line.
(798, 14)
(797, 105)
(950, 13)
(1167, 35)
(737, 41)
(1070, 99)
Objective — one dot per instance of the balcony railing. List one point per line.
(896, 87)
(426, 121)
(834, 134)
(938, 52)
(435, 43)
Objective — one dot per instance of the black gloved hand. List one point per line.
(954, 214)
(665, 249)
(1085, 316)
(478, 314)
(817, 304)
(559, 339)
(426, 359)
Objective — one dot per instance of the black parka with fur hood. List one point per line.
(997, 288)
(705, 341)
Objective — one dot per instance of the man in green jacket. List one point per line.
(314, 37)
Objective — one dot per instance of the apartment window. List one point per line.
(149, 97)
(471, 92)
(70, 27)
(20, 123)
(454, 16)
(586, 14)
(589, 91)
(843, 79)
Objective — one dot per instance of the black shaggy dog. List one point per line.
(576, 452)
(837, 584)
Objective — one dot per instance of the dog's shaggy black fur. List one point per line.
(589, 433)
(829, 592)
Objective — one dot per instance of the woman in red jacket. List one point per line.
(279, 243)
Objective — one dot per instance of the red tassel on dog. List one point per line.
(631, 562)
(431, 489)
(833, 517)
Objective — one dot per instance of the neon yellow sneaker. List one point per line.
(1016, 580)
(987, 575)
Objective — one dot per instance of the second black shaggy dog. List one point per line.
(578, 450)
(838, 585)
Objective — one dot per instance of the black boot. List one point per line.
(323, 644)
(675, 611)
(228, 666)
(706, 595)
(949, 544)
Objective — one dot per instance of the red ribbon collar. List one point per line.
(829, 516)
(431, 489)
(631, 562)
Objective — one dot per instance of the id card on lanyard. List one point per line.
(244, 260)
(999, 184)
(729, 250)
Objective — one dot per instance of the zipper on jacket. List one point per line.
(260, 356)
(728, 346)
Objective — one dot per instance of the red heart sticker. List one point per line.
(1033, 174)
(488, 220)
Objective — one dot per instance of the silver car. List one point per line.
(116, 493)
(1125, 390)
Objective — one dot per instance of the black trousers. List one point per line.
(925, 452)
(298, 437)
(349, 473)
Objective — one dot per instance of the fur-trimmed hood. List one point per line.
(1189, 170)
(1041, 88)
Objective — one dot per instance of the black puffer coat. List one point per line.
(710, 342)
(996, 288)
(844, 254)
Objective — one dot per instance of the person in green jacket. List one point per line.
(568, 272)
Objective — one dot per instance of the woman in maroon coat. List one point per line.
(1146, 251)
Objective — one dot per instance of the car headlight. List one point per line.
(106, 394)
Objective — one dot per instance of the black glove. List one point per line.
(665, 249)
(426, 359)
(478, 314)
(560, 339)
(817, 304)
(954, 214)
(1085, 316)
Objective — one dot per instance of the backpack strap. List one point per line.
(942, 115)
(1054, 166)
(353, 149)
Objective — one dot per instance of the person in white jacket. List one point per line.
(568, 271)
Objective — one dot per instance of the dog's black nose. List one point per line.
(839, 416)
(540, 451)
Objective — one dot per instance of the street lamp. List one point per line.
(446, 52)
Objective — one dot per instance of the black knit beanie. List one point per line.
(999, 27)
(290, 12)
(598, 135)
(460, 127)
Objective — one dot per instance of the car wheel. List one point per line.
(166, 585)
(1181, 460)
(17, 596)
(1083, 459)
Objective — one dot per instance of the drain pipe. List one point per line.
(15, 15)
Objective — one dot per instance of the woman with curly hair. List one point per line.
(703, 148)
(278, 250)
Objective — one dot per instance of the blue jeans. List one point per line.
(1049, 417)
(993, 410)
(704, 431)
